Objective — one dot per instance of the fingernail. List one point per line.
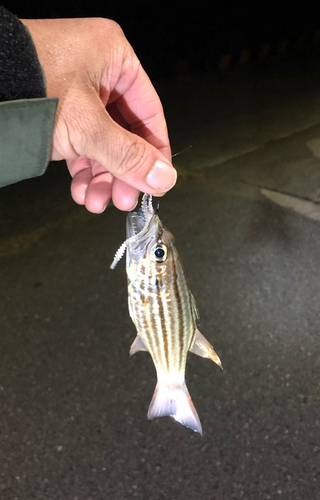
(104, 208)
(162, 177)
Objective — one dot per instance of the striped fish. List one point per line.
(164, 312)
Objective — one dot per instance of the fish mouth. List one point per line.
(142, 225)
(136, 221)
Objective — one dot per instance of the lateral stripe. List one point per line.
(144, 328)
(152, 315)
(164, 333)
(179, 313)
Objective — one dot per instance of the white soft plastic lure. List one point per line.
(164, 312)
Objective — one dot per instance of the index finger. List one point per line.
(140, 106)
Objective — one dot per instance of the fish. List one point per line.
(163, 311)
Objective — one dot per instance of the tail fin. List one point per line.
(174, 402)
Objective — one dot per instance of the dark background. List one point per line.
(175, 37)
(73, 405)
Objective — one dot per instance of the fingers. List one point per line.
(141, 107)
(99, 193)
(127, 156)
(124, 196)
(80, 170)
(91, 185)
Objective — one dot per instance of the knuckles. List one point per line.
(133, 158)
(103, 29)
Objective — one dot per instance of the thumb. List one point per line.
(127, 156)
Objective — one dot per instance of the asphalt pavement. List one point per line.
(245, 216)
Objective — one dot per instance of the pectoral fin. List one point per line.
(203, 348)
(137, 345)
(194, 309)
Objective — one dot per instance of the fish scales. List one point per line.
(164, 317)
(163, 310)
(186, 328)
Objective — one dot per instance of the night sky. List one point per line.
(172, 36)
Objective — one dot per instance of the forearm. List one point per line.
(26, 115)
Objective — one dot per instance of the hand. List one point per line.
(110, 126)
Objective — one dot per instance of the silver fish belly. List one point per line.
(164, 313)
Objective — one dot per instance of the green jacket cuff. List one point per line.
(26, 128)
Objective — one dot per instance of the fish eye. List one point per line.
(159, 253)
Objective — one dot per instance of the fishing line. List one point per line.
(183, 150)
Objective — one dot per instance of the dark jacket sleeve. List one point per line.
(26, 115)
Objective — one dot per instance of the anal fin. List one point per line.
(137, 345)
(203, 348)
